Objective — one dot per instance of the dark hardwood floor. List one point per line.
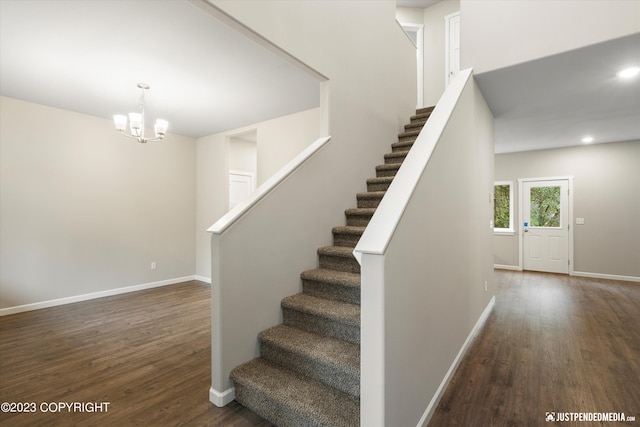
(147, 353)
(553, 343)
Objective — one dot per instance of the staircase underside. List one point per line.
(308, 372)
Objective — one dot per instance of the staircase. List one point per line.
(308, 372)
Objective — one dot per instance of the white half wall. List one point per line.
(278, 141)
(85, 210)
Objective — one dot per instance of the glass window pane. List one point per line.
(545, 207)
(501, 206)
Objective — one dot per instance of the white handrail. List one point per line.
(238, 211)
(380, 229)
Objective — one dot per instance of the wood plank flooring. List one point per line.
(553, 343)
(147, 353)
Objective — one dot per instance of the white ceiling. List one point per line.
(556, 101)
(88, 56)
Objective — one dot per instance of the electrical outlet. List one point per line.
(153, 265)
(485, 286)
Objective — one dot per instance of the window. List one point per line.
(503, 207)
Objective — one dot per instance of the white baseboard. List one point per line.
(507, 267)
(203, 279)
(93, 295)
(447, 378)
(606, 276)
(221, 399)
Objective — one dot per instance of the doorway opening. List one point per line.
(242, 166)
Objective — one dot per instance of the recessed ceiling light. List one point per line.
(587, 139)
(627, 73)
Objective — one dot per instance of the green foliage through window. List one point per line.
(502, 206)
(545, 207)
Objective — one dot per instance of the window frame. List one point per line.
(511, 229)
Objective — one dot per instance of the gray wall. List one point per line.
(606, 194)
(86, 210)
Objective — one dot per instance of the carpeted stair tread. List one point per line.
(360, 211)
(387, 170)
(338, 258)
(412, 133)
(330, 361)
(402, 146)
(347, 235)
(417, 124)
(425, 110)
(332, 277)
(379, 184)
(332, 284)
(370, 199)
(289, 399)
(336, 310)
(395, 157)
(359, 216)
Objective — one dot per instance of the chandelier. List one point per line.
(136, 122)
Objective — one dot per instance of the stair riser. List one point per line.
(270, 409)
(414, 125)
(358, 220)
(339, 263)
(346, 240)
(378, 186)
(321, 325)
(394, 160)
(380, 173)
(330, 291)
(409, 139)
(369, 202)
(400, 146)
(333, 376)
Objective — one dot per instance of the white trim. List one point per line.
(93, 295)
(221, 399)
(237, 212)
(428, 413)
(203, 279)
(606, 276)
(507, 267)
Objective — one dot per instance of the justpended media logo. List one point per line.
(587, 416)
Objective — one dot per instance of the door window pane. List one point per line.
(545, 207)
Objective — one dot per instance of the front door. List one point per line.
(545, 213)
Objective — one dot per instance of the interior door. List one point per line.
(545, 213)
(241, 185)
(452, 41)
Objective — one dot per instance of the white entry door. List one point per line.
(545, 212)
